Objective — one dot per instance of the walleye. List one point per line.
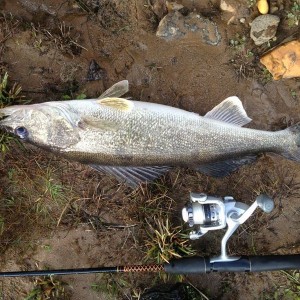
(138, 141)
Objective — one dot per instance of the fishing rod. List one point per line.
(187, 265)
(209, 213)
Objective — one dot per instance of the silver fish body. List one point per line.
(137, 140)
(163, 136)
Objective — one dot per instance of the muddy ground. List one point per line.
(52, 210)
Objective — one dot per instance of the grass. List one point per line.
(63, 37)
(80, 96)
(290, 290)
(9, 25)
(48, 287)
(109, 15)
(33, 194)
(293, 15)
(90, 9)
(115, 286)
(166, 241)
(251, 3)
(238, 42)
(9, 95)
(243, 59)
(265, 76)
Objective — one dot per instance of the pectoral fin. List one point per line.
(90, 121)
(133, 176)
(225, 167)
(231, 111)
(117, 90)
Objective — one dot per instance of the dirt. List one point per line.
(47, 47)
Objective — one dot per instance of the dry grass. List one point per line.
(110, 14)
(48, 288)
(62, 37)
(166, 241)
(9, 26)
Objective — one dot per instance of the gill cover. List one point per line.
(61, 129)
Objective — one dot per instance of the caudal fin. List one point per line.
(293, 152)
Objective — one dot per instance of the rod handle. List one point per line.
(198, 265)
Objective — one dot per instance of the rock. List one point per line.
(172, 6)
(174, 26)
(95, 72)
(169, 27)
(225, 6)
(32, 7)
(283, 61)
(159, 7)
(263, 28)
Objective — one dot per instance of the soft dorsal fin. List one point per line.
(117, 103)
(231, 111)
(117, 90)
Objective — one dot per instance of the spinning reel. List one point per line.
(212, 213)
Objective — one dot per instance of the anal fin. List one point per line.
(133, 176)
(225, 167)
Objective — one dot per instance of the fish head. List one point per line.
(41, 125)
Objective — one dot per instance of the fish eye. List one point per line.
(21, 132)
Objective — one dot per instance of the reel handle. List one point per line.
(265, 203)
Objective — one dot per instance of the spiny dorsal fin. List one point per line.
(231, 111)
(117, 90)
(117, 103)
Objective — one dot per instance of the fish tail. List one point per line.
(293, 152)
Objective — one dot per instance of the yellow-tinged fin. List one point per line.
(117, 103)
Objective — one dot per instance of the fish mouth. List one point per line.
(6, 126)
(7, 111)
(5, 122)
(8, 119)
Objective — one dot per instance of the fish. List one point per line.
(139, 141)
